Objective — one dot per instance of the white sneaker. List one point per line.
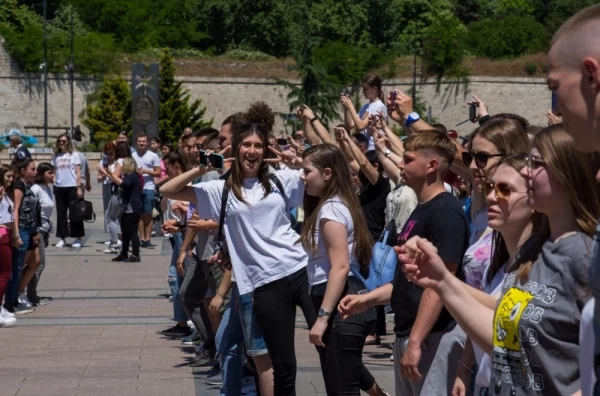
(7, 322)
(119, 243)
(108, 242)
(111, 250)
(6, 313)
(24, 301)
(76, 244)
(60, 243)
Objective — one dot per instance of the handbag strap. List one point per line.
(386, 231)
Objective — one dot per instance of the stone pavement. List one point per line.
(99, 334)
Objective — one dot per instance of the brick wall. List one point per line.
(22, 98)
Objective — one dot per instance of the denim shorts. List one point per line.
(147, 201)
(253, 338)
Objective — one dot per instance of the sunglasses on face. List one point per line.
(481, 159)
(502, 190)
(535, 161)
(62, 141)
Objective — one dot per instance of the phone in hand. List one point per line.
(344, 92)
(473, 111)
(216, 160)
(554, 100)
(392, 98)
(282, 142)
(203, 158)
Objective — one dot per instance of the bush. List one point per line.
(181, 53)
(242, 54)
(444, 45)
(530, 68)
(510, 36)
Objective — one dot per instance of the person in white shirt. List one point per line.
(265, 258)
(338, 242)
(149, 167)
(67, 188)
(371, 89)
(44, 177)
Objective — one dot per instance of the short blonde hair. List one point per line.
(432, 140)
(129, 165)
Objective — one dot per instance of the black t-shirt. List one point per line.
(29, 210)
(21, 153)
(372, 200)
(442, 221)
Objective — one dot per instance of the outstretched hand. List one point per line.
(421, 263)
(481, 106)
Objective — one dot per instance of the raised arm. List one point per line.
(315, 126)
(358, 123)
(177, 188)
(384, 154)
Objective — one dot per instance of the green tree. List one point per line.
(110, 111)
(315, 90)
(444, 44)
(177, 111)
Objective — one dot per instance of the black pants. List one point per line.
(341, 359)
(129, 231)
(275, 309)
(64, 196)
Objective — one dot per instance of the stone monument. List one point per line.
(145, 100)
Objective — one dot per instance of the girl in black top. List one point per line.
(131, 202)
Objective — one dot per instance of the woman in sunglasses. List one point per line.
(539, 307)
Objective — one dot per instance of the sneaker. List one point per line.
(111, 250)
(176, 331)
(189, 322)
(77, 244)
(215, 380)
(191, 339)
(24, 301)
(119, 258)
(41, 302)
(132, 259)
(60, 243)
(147, 245)
(202, 360)
(170, 299)
(22, 310)
(7, 322)
(108, 242)
(6, 313)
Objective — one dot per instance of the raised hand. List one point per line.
(553, 118)
(481, 106)
(286, 157)
(307, 112)
(381, 142)
(347, 102)
(341, 134)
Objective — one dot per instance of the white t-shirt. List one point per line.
(44, 196)
(65, 163)
(373, 108)
(262, 244)
(6, 210)
(111, 168)
(318, 263)
(149, 160)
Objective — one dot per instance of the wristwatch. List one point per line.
(387, 153)
(322, 312)
(412, 118)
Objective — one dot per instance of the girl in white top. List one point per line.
(7, 319)
(371, 89)
(265, 257)
(336, 238)
(67, 188)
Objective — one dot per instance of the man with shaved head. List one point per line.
(574, 75)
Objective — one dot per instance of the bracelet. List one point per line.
(315, 118)
(484, 119)
(467, 367)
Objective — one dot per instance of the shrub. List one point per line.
(242, 54)
(444, 45)
(530, 68)
(510, 36)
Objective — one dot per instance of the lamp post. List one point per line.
(45, 78)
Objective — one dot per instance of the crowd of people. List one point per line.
(495, 234)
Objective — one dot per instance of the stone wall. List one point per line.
(22, 98)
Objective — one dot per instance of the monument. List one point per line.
(145, 99)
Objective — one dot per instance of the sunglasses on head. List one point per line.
(502, 190)
(481, 159)
(535, 161)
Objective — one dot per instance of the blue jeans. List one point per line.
(18, 261)
(175, 281)
(230, 345)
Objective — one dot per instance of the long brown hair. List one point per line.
(575, 172)
(70, 148)
(329, 156)
(4, 169)
(539, 231)
(258, 120)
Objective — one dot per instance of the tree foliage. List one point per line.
(177, 111)
(111, 111)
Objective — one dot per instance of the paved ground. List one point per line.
(98, 336)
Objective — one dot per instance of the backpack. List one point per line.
(219, 241)
(382, 268)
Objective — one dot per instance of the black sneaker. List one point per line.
(202, 360)
(22, 309)
(119, 258)
(176, 331)
(132, 259)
